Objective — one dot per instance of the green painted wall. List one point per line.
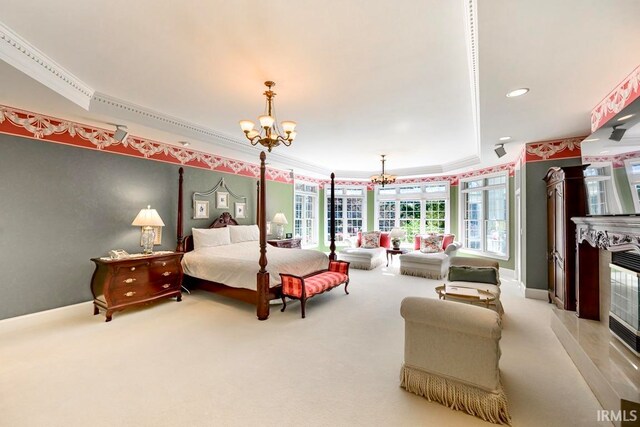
(454, 215)
(624, 190)
(280, 199)
(371, 210)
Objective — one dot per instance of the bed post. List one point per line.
(258, 203)
(180, 246)
(332, 220)
(263, 277)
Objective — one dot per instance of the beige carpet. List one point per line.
(208, 361)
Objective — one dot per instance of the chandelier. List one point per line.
(383, 178)
(269, 134)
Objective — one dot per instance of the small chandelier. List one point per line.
(383, 178)
(269, 134)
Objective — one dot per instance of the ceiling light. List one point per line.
(604, 151)
(184, 143)
(628, 116)
(517, 92)
(617, 134)
(500, 151)
(121, 133)
(591, 139)
(269, 134)
(504, 138)
(383, 178)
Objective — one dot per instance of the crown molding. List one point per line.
(115, 107)
(461, 163)
(471, 32)
(22, 55)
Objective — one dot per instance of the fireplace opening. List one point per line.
(624, 314)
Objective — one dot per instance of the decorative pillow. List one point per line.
(370, 240)
(473, 274)
(431, 243)
(385, 240)
(447, 240)
(207, 237)
(244, 233)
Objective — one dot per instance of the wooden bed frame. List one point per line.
(264, 292)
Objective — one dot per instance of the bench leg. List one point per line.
(303, 303)
(284, 304)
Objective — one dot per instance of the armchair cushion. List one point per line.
(473, 274)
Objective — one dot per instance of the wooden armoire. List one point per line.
(566, 198)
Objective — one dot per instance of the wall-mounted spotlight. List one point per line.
(617, 134)
(121, 133)
(500, 151)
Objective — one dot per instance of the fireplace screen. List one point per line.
(624, 296)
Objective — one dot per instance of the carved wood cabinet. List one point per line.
(565, 199)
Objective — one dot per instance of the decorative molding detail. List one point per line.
(555, 149)
(617, 160)
(114, 107)
(612, 233)
(621, 96)
(37, 126)
(19, 53)
(453, 179)
(471, 32)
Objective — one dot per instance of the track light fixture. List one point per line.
(500, 151)
(617, 134)
(121, 133)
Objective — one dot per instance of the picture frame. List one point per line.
(289, 236)
(200, 209)
(268, 228)
(240, 210)
(222, 200)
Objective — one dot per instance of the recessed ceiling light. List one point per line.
(184, 143)
(628, 116)
(591, 139)
(504, 138)
(604, 151)
(517, 92)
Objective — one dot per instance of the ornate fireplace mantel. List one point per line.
(611, 233)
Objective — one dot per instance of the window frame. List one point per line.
(461, 210)
(423, 196)
(612, 200)
(316, 212)
(634, 179)
(327, 191)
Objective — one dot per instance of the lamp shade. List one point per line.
(397, 233)
(148, 218)
(279, 218)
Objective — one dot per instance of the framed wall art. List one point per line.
(222, 200)
(200, 209)
(241, 210)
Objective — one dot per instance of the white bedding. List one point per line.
(236, 264)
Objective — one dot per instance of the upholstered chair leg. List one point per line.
(345, 287)
(284, 304)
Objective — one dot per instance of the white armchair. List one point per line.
(451, 356)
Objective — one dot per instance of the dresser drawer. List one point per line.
(169, 271)
(163, 286)
(129, 294)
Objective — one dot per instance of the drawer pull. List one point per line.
(133, 269)
(166, 285)
(129, 280)
(164, 264)
(129, 294)
(166, 273)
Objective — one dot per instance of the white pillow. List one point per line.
(244, 233)
(207, 237)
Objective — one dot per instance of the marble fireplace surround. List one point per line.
(611, 370)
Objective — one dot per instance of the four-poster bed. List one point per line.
(263, 292)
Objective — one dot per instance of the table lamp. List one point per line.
(280, 220)
(147, 219)
(397, 234)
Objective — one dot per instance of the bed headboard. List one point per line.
(222, 221)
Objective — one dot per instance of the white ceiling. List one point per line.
(360, 78)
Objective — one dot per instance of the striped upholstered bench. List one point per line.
(303, 288)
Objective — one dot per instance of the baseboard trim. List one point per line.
(541, 294)
(38, 313)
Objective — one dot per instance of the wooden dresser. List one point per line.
(566, 198)
(120, 283)
(286, 243)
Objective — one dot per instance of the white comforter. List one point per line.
(236, 265)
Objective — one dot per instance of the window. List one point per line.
(485, 215)
(417, 208)
(633, 173)
(350, 208)
(305, 222)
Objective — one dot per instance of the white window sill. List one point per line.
(483, 254)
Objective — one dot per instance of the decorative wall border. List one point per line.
(37, 126)
(554, 149)
(621, 96)
(617, 160)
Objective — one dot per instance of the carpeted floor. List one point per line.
(207, 361)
